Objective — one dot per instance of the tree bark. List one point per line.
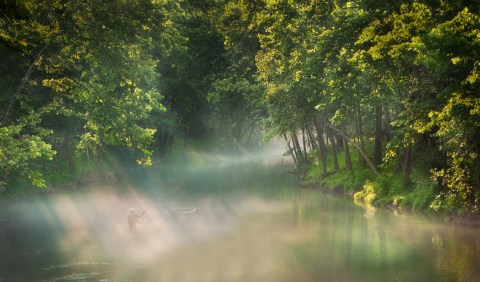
(378, 136)
(321, 143)
(290, 150)
(338, 138)
(331, 134)
(311, 139)
(348, 157)
(407, 166)
(296, 145)
(359, 129)
(388, 120)
(304, 142)
(60, 151)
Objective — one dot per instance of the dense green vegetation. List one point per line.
(372, 94)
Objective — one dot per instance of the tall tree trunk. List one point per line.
(338, 137)
(331, 134)
(348, 157)
(359, 129)
(378, 136)
(388, 121)
(250, 134)
(71, 158)
(321, 143)
(296, 145)
(60, 152)
(290, 150)
(311, 139)
(359, 149)
(304, 142)
(407, 165)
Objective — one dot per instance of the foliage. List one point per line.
(93, 68)
(367, 195)
(395, 82)
(404, 74)
(17, 150)
(237, 110)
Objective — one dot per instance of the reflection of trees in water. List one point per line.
(250, 224)
(376, 245)
(456, 255)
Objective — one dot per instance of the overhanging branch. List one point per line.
(369, 162)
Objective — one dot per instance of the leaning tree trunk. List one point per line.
(296, 145)
(311, 139)
(294, 157)
(359, 149)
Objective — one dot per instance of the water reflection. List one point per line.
(235, 222)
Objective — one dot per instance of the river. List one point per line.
(225, 220)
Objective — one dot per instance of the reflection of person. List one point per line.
(132, 219)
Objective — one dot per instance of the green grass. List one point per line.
(423, 192)
(350, 182)
(387, 189)
(390, 189)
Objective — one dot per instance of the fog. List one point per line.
(224, 218)
(195, 219)
(94, 230)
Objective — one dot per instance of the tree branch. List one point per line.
(369, 163)
(25, 78)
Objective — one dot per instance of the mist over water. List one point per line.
(225, 218)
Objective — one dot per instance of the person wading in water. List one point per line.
(132, 219)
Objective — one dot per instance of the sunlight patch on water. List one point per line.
(235, 222)
(92, 231)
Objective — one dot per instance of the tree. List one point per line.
(237, 111)
(451, 50)
(93, 66)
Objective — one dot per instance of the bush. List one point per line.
(367, 195)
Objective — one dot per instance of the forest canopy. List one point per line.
(389, 88)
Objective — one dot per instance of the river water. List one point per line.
(228, 220)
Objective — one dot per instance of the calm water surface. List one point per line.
(229, 221)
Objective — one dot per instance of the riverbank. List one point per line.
(386, 191)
